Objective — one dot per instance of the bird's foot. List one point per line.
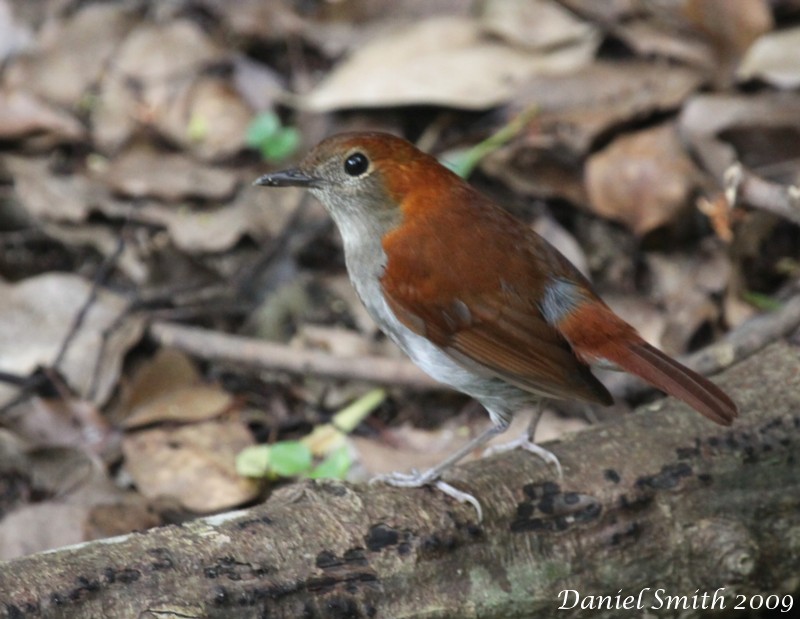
(415, 479)
(525, 442)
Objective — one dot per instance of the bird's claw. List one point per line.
(415, 479)
(460, 496)
(524, 442)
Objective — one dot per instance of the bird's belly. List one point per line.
(500, 398)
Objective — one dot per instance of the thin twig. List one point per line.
(216, 346)
(80, 317)
(743, 186)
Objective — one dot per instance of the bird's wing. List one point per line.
(481, 318)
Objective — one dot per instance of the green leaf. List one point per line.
(281, 145)
(335, 466)
(198, 127)
(463, 162)
(762, 301)
(253, 461)
(261, 129)
(285, 459)
(290, 458)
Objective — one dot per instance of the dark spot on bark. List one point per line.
(612, 476)
(326, 559)
(355, 556)
(333, 488)
(403, 548)
(12, 612)
(637, 504)
(571, 498)
(162, 559)
(713, 441)
(686, 453)
(546, 505)
(246, 524)
(588, 513)
(431, 544)
(56, 599)
(127, 576)
(308, 612)
(341, 607)
(85, 588)
(221, 597)
(668, 478)
(562, 523)
(539, 491)
(705, 479)
(110, 574)
(773, 424)
(321, 583)
(525, 510)
(531, 524)
(631, 533)
(381, 536)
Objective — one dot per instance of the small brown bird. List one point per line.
(476, 298)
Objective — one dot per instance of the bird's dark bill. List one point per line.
(292, 177)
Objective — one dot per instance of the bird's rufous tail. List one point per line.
(663, 372)
(595, 332)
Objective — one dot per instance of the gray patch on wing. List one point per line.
(560, 298)
(458, 316)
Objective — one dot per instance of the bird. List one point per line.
(475, 297)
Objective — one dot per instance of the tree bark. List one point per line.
(661, 499)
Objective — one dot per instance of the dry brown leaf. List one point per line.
(208, 118)
(167, 370)
(152, 67)
(22, 114)
(684, 284)
(13, 35)
(576, 109)
(42, 526)
(440, 61)
(759, 134)
(563, 241)
(37, 315)
(143, 172)
(606, 12)
(775, 58)
(642, 179)
(65, 422)
(74, 496)
(652, 37)
(195, 464)
(182, 404)
(72, 54)
(218, 229)
(536, 24)
(168, 388)
(732, 24)
(264, 21)
(49, 196)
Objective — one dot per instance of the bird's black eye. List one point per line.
(356, 164)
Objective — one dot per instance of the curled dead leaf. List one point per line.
(643, 179)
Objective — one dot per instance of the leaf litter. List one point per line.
(658, 150)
